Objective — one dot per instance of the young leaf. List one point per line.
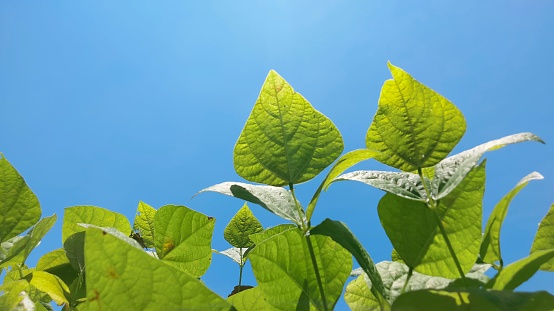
(340, 233)
(450, 172)
(144, 223)
(544, 239)
(406, 185)
(414, 232)
(490, 247)
(50, 284)
(130, 279)
(277, 200)
(285, 140)
(19, 207)
(235, 254)
(520, 271)
(94, 215)
(243, 224)
(345, 162)
(249, 300)
(414, 126)
(285, 273)
(183, 238)
(475, 300)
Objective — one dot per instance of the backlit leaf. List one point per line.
(144, 223)
(50, 284)
(544, 239)
(414, 126)
(243, 224)
(249, 300)
(285, 140)
(520, 271)
(94, 215)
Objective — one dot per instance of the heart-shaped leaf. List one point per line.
(243, 224)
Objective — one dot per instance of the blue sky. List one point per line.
(110, 102)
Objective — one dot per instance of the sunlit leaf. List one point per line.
(50, 284)
(76, 215)
(285, 140)
(258, 238)
(520, 271)
(274, 199)
(243, 224)
(285, 273)
(414, 232)
(144, 223)
(490, 247)
(450, 172)
(544, 239)
(19, 207)
(249, 300)
(414, 126)
(358, 296)
(183, 238)
(130, 279)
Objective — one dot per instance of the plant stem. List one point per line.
(316, 269)
(240, 271)
(304, 226)
(434, 208)
(410, 271)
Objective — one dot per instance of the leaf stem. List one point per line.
(240, 271)
(304, 225)
(434, 208)
(316, 269)
(410, 271)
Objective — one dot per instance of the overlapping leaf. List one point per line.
(413, 229)
(285, 140)
(520, 271)
(183, 238)
(76, 215)
(249, 300)
(144, 223)
(130, 279)
(274, 199)
(414, 126)
(285, 273)
(544, 239)
(490, 247)
(450, 172)
(19, 207)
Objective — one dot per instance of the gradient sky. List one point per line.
(110, 102)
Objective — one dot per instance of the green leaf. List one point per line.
(283, 268)
(118, 234)
(74, 247)
(183, 238)
(414, 126)
(243, 224)
(249, 300)
(21, 249)
(406, 185)
(358, 296)
(270, 232)
(94, 215)
(19, 207)
(50, 284)
(235, 254)
(414, 232)
(490, 247)
(130, 279)
(475, 300)
(340, 233)
(450, 172)
(57, 263)
(144, 223)
(544, 239)
(345, 162)
(395, 257)
(277, 200)
(520, 271)
(11, 298)
(285, 140)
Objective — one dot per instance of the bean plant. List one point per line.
(431, 211)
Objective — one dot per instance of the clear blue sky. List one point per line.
(110, 102)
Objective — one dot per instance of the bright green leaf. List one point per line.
(406, 185)
(243, 224)
(52, 259)
(520, 271)
(395, 257)
(450, 172)
(283, 268)
(340, 233)
(115, 232)
(94, 215)
(358, 296)
(50, 284)
(285, 140)
(345, 162)
(544, 239)
(414, 126)
(490, 247)
(277, 200)
(11, 298)
(270, 232)
(19, 207)
(249, 300)
(475, 300)
(414, 232)
(183, 238)
(144, 223)
(130, 279)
